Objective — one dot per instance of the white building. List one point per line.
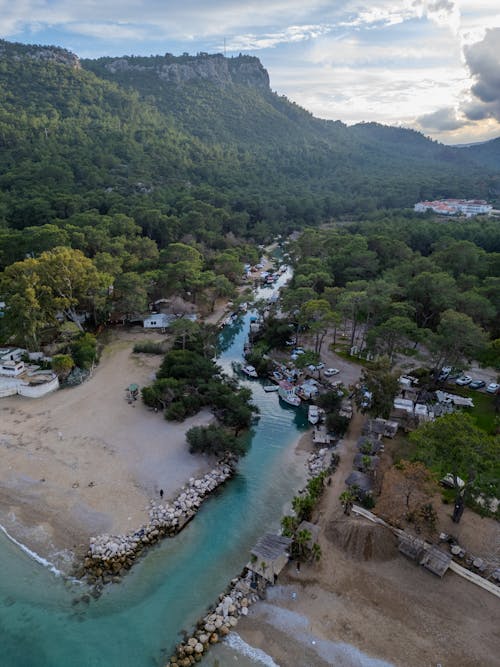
(467, 207)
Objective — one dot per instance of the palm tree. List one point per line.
(301, 540)
(347, 499)
(315, 552)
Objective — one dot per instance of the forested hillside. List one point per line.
(154, 177)
(163, 132)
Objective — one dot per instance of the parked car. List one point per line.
(463, 380)
(477, 384)
(320, 365)
(292, 341)
(298, 350)
(443, 374)
(493, 388)
(331, 371)
(449, 481)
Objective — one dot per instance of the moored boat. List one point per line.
(286, 391)
(270, 387)
(250, 371)
(313, 414)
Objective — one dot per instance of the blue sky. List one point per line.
(433, 65)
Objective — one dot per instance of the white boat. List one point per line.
(250, 371)
(286, 391)
(270, 387)
(313, 414)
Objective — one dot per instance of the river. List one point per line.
(138, 622)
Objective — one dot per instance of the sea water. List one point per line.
(44, 623)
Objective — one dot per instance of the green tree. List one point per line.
(382, 385)
(454, 445)
(62, 365)
(457, 338)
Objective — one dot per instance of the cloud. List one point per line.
(442, 120)
(107, 30)
(269, 40)
(483, 61)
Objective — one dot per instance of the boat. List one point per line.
(313, 414)
(286, 391)
(250, 371)
(270, 387)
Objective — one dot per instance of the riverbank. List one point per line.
(85, 461)
(365, 605)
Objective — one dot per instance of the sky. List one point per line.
(430, 65)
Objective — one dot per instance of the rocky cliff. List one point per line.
(243, 70)
(16, 51)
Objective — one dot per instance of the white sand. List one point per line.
(83, 460)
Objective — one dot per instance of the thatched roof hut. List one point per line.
(361, 481)
(269, 556)
(369, 443)
(311, 528)
(366, 462)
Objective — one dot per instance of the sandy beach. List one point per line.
(366, 605)
(83, 460)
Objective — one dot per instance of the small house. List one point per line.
(157, 321)
(374, 428)
(436, 561)
(361, 482)
(369, 445)
(412, 547)
(269, 556)
(365, 462)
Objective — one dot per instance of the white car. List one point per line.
(463, 380)
(331, 371)
(493, 388)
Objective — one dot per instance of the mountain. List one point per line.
(486, 153)
(179, 134)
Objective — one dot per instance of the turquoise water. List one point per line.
(138, 622)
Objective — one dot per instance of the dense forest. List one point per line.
(127, 180)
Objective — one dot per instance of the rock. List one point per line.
(214, 638)
(198, 648)
(192, 641)
(244, 611)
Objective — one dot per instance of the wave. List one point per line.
(32, 554)
(238, 644)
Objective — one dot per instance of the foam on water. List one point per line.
(32, 554)
(256, 654)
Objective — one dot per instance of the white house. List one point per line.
(158, 321)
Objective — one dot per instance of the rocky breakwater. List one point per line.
(110, 556)
(218, 623)
(319, 462)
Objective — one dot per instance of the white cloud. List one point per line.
(107, 30)
(292, 34)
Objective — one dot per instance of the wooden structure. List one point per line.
(320, 436)
(412, 547)
(432, 558)
(436, 561)
(269, 556)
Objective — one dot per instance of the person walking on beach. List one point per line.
(161, 493)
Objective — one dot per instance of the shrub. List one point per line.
(148, 347)
(84, 350)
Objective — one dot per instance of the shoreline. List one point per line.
(83, 461)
